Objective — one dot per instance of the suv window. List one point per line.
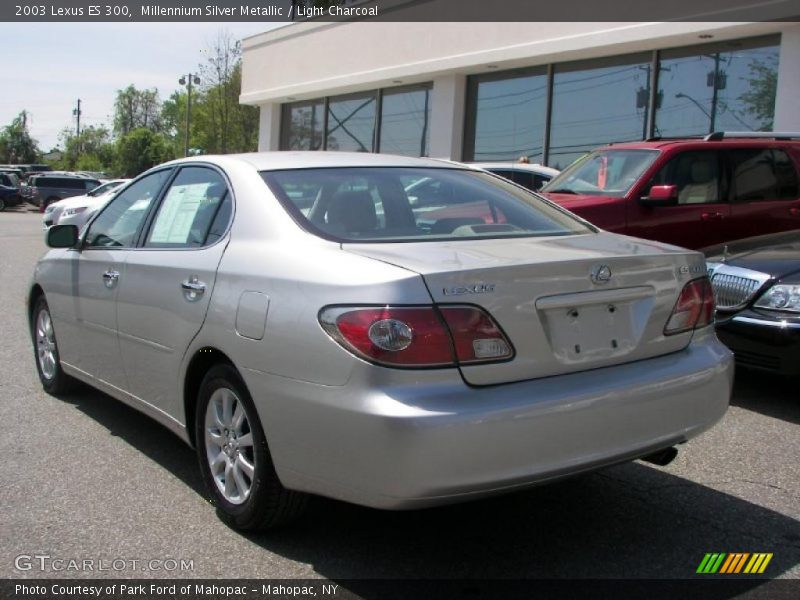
(762, 174)
(6, 180)
(696, 174)
(189, 208)
(120, 221)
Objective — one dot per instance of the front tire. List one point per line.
(2, 204)
(234, 457)
(45, 349)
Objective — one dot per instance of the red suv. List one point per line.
(689, 192)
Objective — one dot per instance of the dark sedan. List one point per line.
(757, 287)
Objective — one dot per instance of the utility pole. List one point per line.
(77, 114)
(188, 80)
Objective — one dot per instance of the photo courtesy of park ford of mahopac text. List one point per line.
(399, 299)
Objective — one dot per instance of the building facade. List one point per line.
(499, 91)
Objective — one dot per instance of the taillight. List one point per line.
(417, 336)
(694, 308)
(476, 336)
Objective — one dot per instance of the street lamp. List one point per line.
(188, 80)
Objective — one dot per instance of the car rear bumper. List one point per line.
(405, 439)
(762, 343)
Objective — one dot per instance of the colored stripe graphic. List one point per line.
(735, 562)
(759, 562)
(722, 563)
(711, 563)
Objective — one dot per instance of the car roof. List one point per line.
(276, 161)
(515, 165)
(714, 140)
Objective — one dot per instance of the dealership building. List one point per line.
(497, 91)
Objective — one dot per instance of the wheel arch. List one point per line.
(34, 294)
(203, 359)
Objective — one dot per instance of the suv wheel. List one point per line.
(234, 457)
(45, 348)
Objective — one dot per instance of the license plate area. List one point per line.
(595, 326)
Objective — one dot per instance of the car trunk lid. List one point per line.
(566, 303)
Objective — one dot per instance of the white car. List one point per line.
(531, 176)
(77, 209)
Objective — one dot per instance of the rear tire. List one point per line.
(234, 457)
(2, 204)
(45, 351)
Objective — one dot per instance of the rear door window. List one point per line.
(761, 174)
(189, 210)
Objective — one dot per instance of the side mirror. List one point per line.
(661, 195)
(62, 236)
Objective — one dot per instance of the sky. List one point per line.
(46, 67)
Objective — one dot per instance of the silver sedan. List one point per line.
(311, 328)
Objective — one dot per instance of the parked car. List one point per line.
(757, 286)
(78, 209)
(9, 191)
(690, 192)
(342, 349)
(46, 189)
(531, 176)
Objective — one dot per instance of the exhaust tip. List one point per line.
(661, 458)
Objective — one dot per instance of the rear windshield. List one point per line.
(380, 204)
(603, 173)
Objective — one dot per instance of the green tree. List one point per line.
(140, 149)
(92, 150)
(759, 99)
(224, 125)
(134, 109)
(16, 144)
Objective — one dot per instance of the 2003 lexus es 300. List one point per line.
(324, 323)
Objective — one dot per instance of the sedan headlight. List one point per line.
(68, 212)
(781, 297)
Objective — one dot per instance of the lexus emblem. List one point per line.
(601, 274)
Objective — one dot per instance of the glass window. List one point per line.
(189, 207)
(761, 174)
(351, 123)
(598, 102)
(302, 126)
(417, 204)
(717, 87)
(506, 116)
(696, 174)
(405, 121)
(121, 219)
(603, 173)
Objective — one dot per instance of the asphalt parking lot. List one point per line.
(87, 477)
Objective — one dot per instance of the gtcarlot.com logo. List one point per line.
(46, 562)
(734, 563)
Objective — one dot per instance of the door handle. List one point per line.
(110, 278)
(193, 289)
(794, 211)
(711, 216)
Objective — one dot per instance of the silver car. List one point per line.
(309, 331)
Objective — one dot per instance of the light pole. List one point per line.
(188, 80)
(696, 103)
